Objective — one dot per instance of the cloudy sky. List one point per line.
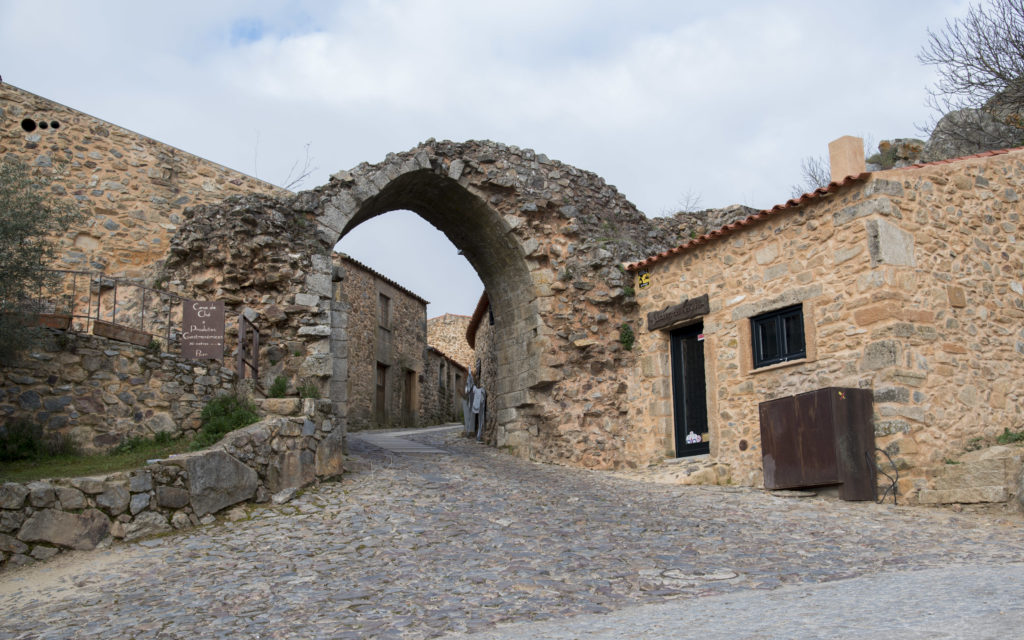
(675, 102)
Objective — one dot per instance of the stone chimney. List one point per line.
(846, 157)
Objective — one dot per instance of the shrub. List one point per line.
(308, 389)
(21, 440)
(626, 337)
(24, 440)
(222, 415)
(279, 388)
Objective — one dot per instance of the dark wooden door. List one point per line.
(689, 394)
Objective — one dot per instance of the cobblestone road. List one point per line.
(424, 545)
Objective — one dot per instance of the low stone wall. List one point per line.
(296, 445)
(100, 391)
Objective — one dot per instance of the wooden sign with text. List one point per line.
(203, 334)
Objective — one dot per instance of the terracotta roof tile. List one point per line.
(792, 203)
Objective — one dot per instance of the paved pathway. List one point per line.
(422, 546)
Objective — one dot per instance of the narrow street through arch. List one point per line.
(421, 545)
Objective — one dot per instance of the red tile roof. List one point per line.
(817, 194)
(793, 203)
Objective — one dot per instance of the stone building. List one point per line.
(133, 189)
(905, 282)
(447, 333)
(387, 342)
(441, 388)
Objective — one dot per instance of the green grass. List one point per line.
(71, 466)
(1010, 437)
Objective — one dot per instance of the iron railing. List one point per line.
(85, 298)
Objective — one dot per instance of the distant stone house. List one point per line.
(442, 388)
(908, 282)
(394, 378)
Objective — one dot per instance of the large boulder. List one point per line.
(291, 469)
(76, 531)
(330, 457)
(216, 479)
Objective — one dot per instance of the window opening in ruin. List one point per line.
(28, 124)
(54, 124)
(44, 125)
(778, 336)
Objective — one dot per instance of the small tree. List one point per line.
(980, 61)
(31, 215)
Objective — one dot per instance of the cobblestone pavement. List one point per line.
(424, 545)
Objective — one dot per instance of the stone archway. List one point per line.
(546, 239)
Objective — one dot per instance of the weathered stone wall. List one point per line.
(447, 333)
(398, 342)
(441, 386)
(486, 366)
(40, 519)
(261, 257)
(98, 392)
(132, 188)
(911, 286)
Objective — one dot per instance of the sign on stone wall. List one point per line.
(203, 335)
(685, 310)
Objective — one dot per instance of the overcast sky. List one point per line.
(670, 100)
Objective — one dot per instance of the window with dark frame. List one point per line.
(384, 311)
(778, 336)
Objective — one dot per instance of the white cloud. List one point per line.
(659, 98)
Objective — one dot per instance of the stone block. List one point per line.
(280, 406)
(888, 244)
(216, 480)
(146, 524)
(75, 531)
(330, 457)
(957, 296)
(12, 495)
(41, 494)
(11, 520)
(139, 481)
(90, 486)
(138, 503)
(971, 495)
(879, 355)
(290, 469)
(306, 300)
(10, 544)
(114, 500)
(880, 206)
(71, 499)
(171, 497)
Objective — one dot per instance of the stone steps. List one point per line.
(991, 475)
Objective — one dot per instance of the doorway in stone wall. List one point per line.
(689, 392)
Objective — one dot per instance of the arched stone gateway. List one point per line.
(546, 239)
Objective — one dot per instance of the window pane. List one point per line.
(768, 338)
(794, 334)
